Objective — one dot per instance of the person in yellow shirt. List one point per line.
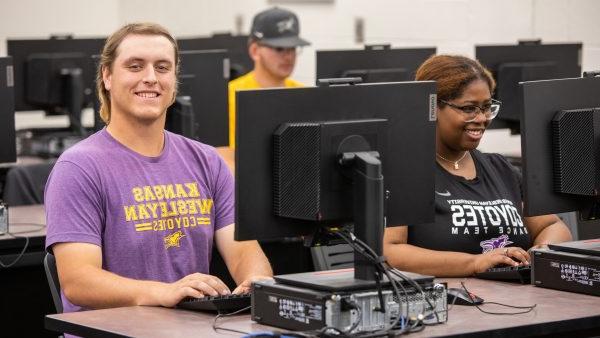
(273, 44)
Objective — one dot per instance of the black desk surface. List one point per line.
(557, 313)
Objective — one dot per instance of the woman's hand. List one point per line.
(512, 256)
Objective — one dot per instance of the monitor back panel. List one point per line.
(333, 63)
(208, 90)
(20, 50)
(541, 101)
(410, 139)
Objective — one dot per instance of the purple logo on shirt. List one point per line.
(173, 239)
(495, 243)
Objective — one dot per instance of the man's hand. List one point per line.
(195, 285)
(245, 286)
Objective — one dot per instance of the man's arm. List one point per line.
(86, 284)
(245, 260)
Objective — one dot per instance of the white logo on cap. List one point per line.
(258, 34)
(286, 25)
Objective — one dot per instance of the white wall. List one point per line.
(39, 18)
(454, 26)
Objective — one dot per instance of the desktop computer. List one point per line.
(557, 269)
(288, 306)
(318, 158)
(236, 46)
(200, 109)
(375, 63)
(561, 152)
(525, 61)
(56, 75)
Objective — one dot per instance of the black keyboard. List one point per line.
(521, 273)
(226, 303)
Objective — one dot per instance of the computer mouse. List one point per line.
(462, 297)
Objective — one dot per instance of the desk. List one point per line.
(24, 160)
(558, 313)
(24, 293)
(24, 221)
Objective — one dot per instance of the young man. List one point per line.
(133, 210)
(274, 39)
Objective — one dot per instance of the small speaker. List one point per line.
(297, 171)
(576, 143)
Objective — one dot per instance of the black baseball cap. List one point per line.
(277, 27)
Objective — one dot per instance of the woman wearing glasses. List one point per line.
(478, 207)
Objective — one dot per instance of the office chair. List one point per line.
(25, 184)
(53, 282)
(329, 257)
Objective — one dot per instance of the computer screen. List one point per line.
(526, 61)
(200, 110)
(372, 64)
(301, 154)
(236, 46)
(561, 146)
(8, 150)
(55, 75)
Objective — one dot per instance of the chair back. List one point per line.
(53, 282)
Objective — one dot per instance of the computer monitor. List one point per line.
(200, 110)
(8, 150)
(313, 157)
(376, 63)
(526, 61)
(561, 146)
(236, 46)
(55, 75)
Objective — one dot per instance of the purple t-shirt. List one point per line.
(153, 217)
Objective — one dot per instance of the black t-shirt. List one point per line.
(477, 215)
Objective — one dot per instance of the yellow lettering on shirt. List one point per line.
(142, 212)
(172, 209)
(158, 191)
(192, 189)
(165, 207)
(191, 207)
(148, 194)
(180, 191)
(205, 205)
(153, 207)
(138, 194)
(169, 192)
(182, 207)
(130, 214)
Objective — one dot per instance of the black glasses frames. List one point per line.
(470, 111)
